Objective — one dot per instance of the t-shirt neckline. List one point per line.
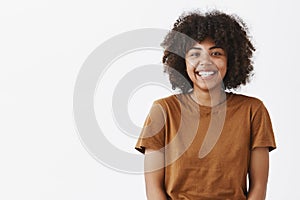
(210, 108)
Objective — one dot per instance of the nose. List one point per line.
(205, 60)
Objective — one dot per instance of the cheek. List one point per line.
(190, 70)
(222, 67)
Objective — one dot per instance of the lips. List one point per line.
(206, 73)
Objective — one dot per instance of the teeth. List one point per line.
(205, 73)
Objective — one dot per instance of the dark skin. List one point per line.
(154, 180)
(258, 172)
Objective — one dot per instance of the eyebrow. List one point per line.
(213, 47)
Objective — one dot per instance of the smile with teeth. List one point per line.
(205, 73)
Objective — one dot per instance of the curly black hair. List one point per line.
(227, 31)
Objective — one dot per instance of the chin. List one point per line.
(207, 87)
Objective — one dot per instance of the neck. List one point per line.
(209, 97)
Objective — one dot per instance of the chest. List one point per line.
(220, 138)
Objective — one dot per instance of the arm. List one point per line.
(258, 173)
(154, 179)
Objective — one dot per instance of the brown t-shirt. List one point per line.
(206, 149)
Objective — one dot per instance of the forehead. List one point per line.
(205, 43)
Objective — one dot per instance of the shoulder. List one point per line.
(245, 103)
(245, 100)
(172, 99)
(250, 105)
(173, 102)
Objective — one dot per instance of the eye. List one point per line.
(194, 54)
(216, 53)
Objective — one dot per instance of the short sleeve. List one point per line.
(261, 129)
(152, 135)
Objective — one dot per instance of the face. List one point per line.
(206, 65)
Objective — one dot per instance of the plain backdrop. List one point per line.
(43, 45)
